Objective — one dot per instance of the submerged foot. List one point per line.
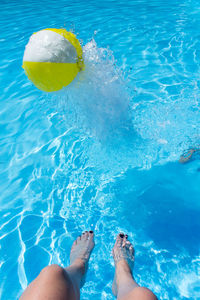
(187, 156)
(123, 254)
(81, 250)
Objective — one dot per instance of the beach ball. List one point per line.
(52, 59)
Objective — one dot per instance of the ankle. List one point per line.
(123, 267)
(123, 273)
(79, 265)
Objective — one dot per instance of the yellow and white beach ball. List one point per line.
(52, 59)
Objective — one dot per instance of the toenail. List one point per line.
(121, 235)
(90, 231)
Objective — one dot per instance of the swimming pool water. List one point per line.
(103, 153)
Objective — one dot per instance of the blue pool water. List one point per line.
(103, 153)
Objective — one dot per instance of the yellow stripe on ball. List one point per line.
(50, 77)
(52, 59)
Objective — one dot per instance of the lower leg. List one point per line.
(58, 283)
(124, 285)
(128, 289)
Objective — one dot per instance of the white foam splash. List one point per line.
(100, 104)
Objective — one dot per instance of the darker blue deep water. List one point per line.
(103, 153)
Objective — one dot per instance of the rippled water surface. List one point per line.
(103, 153)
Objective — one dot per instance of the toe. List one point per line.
(91, 239)
(119, 239)
(74, 244)
(121, 235)
(91, 234)
(131, 250)
(86, 235)
(124, 240)
(128, 244)
(83, 237)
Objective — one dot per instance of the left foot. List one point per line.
(81, 249)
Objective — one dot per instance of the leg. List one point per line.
(56, 283)
(124, 285)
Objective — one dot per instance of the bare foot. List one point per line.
(81, 249)
(123, 254)
(187, 156)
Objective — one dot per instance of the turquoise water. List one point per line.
(103, 153)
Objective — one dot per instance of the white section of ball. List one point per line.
(49, 46)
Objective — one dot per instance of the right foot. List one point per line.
(81, 250)
(123, 254)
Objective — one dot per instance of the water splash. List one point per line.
(135, 133)
(98, 100)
